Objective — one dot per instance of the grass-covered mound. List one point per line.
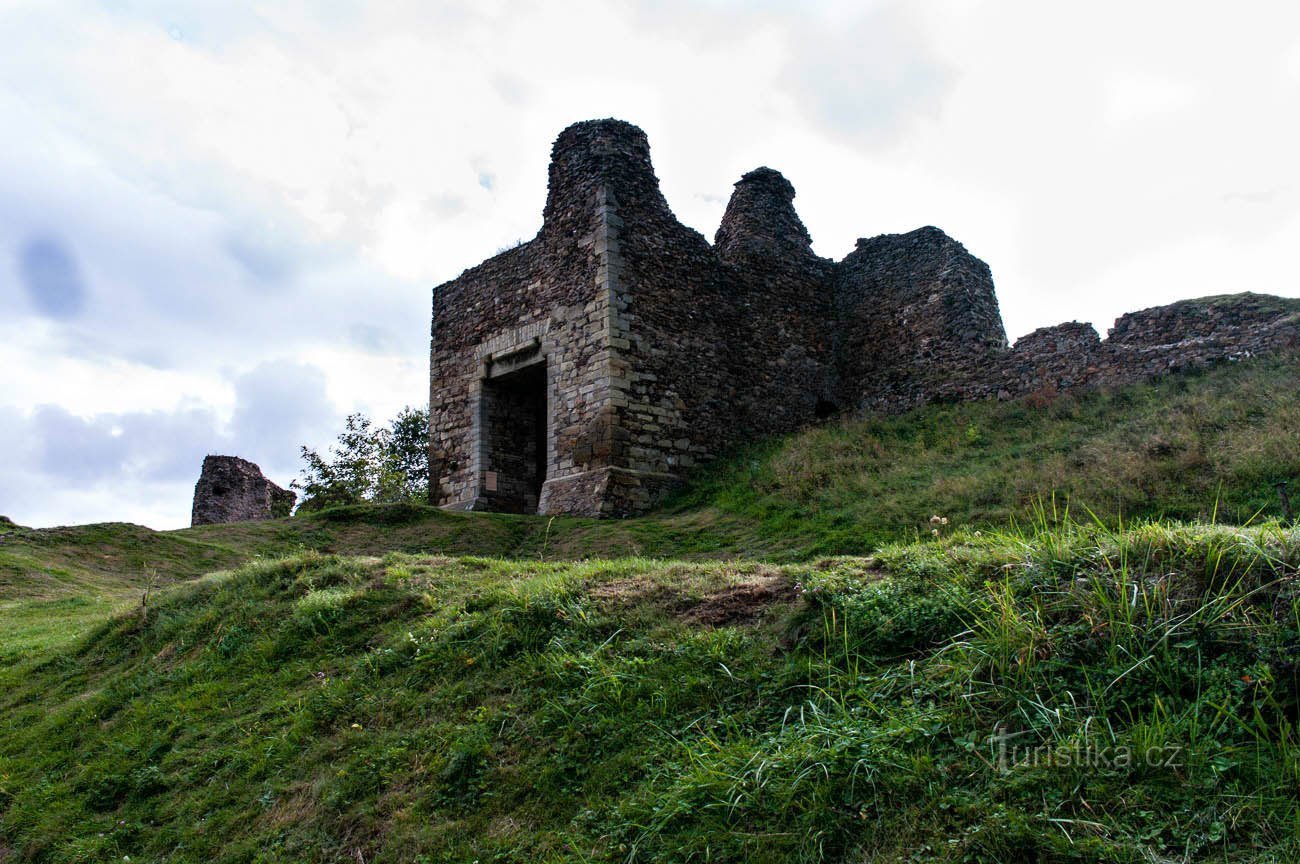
(1191, 446)
(1208, 446)
(1063, 694)
(56, 583)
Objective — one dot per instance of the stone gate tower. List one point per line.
(583, 371)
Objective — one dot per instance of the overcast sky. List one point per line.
(219, 227)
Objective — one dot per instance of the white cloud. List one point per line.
(238, 190)
(1291, 63)
(141, 465)
(1133, 97)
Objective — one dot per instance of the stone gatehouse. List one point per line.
(586, 370)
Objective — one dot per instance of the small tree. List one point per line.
(404, 473)
(368, 463)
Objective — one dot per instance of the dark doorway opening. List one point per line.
(514, 439)
(825, 409)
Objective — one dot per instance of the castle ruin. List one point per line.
(231, 489)
(587, 370)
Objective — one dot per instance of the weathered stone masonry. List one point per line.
(231, 489)
(587, 370)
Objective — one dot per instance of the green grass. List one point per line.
(1193, 446)
(56, 583)
(1089, 660)
(32, 627)
(407, 708)
(1197, 446)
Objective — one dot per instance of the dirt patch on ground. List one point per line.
(626, 590)
(742, 602)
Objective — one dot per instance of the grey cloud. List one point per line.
(870, 80)
(266, 259)
(52, 278)
(17, 468)
(513, 90)
(172, 283)
(371, 339)
(213, 25)
(279, 406)
(865, 78)
(86, 340)
(75, 449)
(152, 445)
(166, 258)
(445, 206)
(1259, 196)
(171, 446)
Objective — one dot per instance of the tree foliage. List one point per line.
(372, 463)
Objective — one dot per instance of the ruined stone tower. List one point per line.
(587, 370)
(231, 489)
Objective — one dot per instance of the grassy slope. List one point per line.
(1192, 446)
(1182, 448)
(413, 708)
(1186, 447)
(57, 583)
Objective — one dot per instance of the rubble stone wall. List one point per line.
(231, 489)
(916, 320)
(545, 302)
(1142, 345)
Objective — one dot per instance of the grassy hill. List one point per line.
(1070, 694)
(1089, 662)
(1193, 446)
(57, 583)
